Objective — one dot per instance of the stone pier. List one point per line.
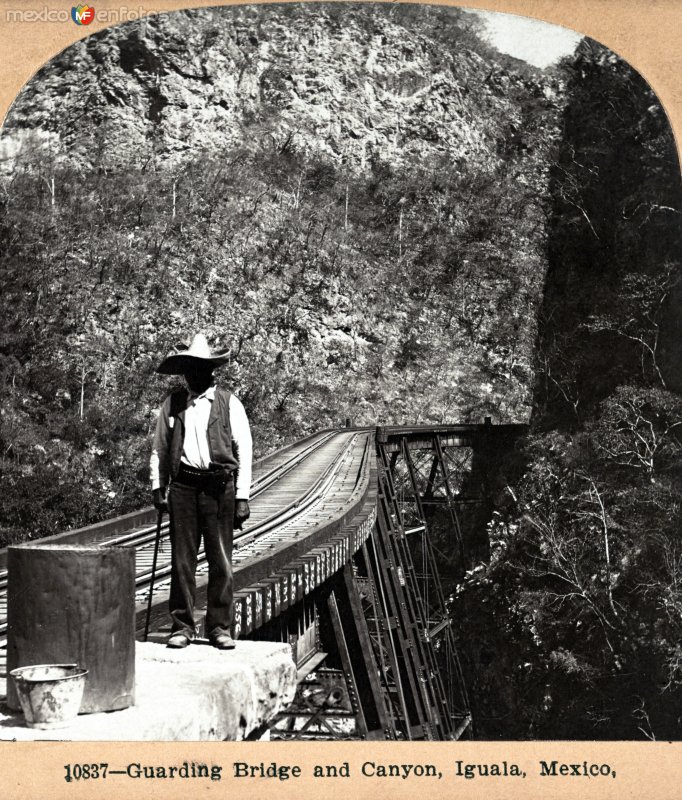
(195, 694)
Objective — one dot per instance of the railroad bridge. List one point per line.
(338, 562)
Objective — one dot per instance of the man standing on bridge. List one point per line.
(201, 473)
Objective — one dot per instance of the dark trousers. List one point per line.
(196, 512)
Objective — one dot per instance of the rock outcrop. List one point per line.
(353, 197)
(351, 82)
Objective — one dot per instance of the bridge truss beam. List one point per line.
(375, 640)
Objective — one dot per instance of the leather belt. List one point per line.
(191, 476)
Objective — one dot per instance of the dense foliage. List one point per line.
(394, 290)
(403, 284)
(586, 569)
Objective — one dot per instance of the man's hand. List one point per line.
(159, 500)
(241, 513)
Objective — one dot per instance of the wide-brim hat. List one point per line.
(187, 356)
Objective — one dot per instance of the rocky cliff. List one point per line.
(362, 202)
(404, 83)
(353, 198)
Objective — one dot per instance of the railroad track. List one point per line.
(295, 491)
(282, 508)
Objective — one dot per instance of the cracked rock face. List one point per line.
(348, 81)
(367, 179)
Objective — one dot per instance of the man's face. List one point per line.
(198, 376)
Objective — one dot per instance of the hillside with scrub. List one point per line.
(385, 220)
(353, 199)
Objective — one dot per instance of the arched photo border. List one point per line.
(644, 33)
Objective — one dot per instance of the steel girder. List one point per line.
(422, 477)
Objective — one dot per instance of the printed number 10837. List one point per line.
(85, 772)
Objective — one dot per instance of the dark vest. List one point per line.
(220, 444)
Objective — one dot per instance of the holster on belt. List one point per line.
(220, 477)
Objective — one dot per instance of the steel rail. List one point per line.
(142, 537)
(295, 508)
(124, 524)
(349, 505)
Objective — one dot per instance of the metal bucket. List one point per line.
(50, 694)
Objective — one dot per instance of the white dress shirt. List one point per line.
(195, 451)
